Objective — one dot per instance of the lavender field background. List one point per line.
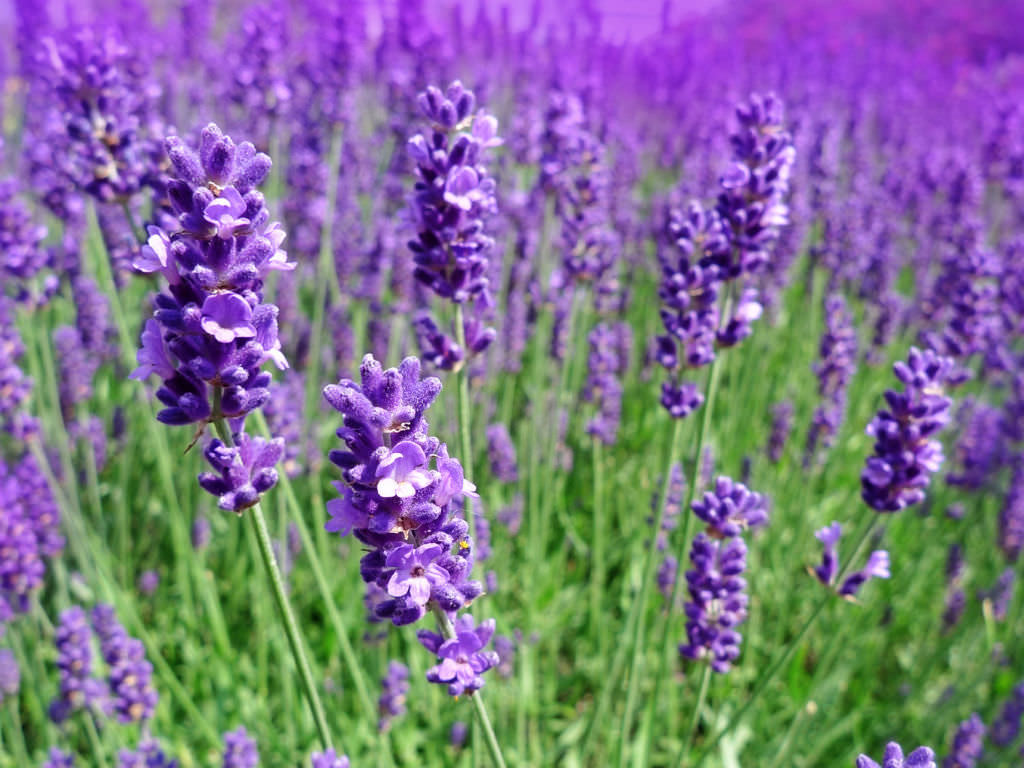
(421, 384)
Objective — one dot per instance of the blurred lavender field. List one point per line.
(601, 384)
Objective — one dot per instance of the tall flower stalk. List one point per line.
(211, 333)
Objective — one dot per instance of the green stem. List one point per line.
(705, 680)
(634, 628)
(140, 236)
(291, 627)
(462, 395)
(448, 632)
(18, 732)
(94, 740)
(597, 575)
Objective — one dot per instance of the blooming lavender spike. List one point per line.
(147, 755)
(782, 425)
(603, 386)
(240, 750)
(328, 759)
(829, 567)
(78, 688)
(58, 758)
(905, 453)
(463, 658)
(967, 745)
(1001, 594)
(502, 453)
(1011, 516)
(731, 509)
(132, 696)
(718, 601)
(394, 688)
(246, 470)
(10, 675)
(1006, 727)
(838, 353)
(922, 757)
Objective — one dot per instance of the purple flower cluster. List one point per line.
(147, 755)
(240, 750)
(451, 200)
(399, 497)
(922, 757)
(10, 674)
(708, 248)
(58, 758)
(132, 696)
(782, 425)
(717, 588)
(1006, 727)
(14, 384)
(606, 364)
(968, 744)
(877, 565)
(21, 245)
(328, 759)
(463, 659)
(838, 353)
(394, 688)
(78, 688)
(905, 452)
(211, 332)
(501, 452)
(1011, 516)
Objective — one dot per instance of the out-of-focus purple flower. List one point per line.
(877, 566)
(922, 757)
(10, 675)
(953, 611)
(200, 533)
(511, 515)
(394, 688)
(968, 743)
(23, 256)
(905, 452)
(58, 758)
(328, 759)
(829, 567)
(604, 371)
(78, 688)
(835, 369)
(666, 576)
(502, 454)
(132, 696)
(457, 735)
(246, 470)
(1006, 727)
(1011, 516)
(463, 658)
(718, 601)
(505, 647)
(147, 755)
(673, 506)
(148, 582)
(731, 508)
(21, 564)
(1001, 594)
(240, 750)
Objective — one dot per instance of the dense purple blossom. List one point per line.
(58, 758)
(394, 688)
(328, 759)
(502, 454)
(922, 757)
(23, 256)
(240, 750)
(147, 755)
(1011, 516)
(246, 470)
(10, 675)
(15, 385)
(718, 601)
(603, 387)
(968, 742)
(463, 659)
(905, 452)
(730, 509)
(78, 688)
(838, 361)
(1006, 726)
(132, 695)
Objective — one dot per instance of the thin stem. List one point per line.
(705, 680)
(448, 632)
(597, 574)
(634, 623)
(94, 740)
(18, 733)
(259, 527)
(465, 435)
(140, 236)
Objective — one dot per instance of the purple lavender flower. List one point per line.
(148, 582)
(393, 500)
(666, 576)
(953, 611)
(838, 362)
(1011, 516)
(10, 675)
(240, 750)
(673, 506)
(21, 564)
(922, 757)
(58, 758)
(731, 509)
(200, 533)
(148, 755)
(967, 745)
(394, 688)
(328, 759)
(246, 470)
(457, 735)
(462, 658)
(502, 454)
(877, 566)
(782, 425)
(211, 329)
(78, 688)
(14, 384)
(829, 567)
(603, 386)
(718, 601)
(905, 455)
(450, 202)
(132, 696)
(1001, 594)
(1006, 727)
(20, 243)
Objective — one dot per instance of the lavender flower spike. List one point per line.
(328, 759)
(922, 757)
(731, 509)
(718, 601)
(240, 749)
(829, 567)
(968, 743)
(905, 453)
(463, 659)
(877, 566)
